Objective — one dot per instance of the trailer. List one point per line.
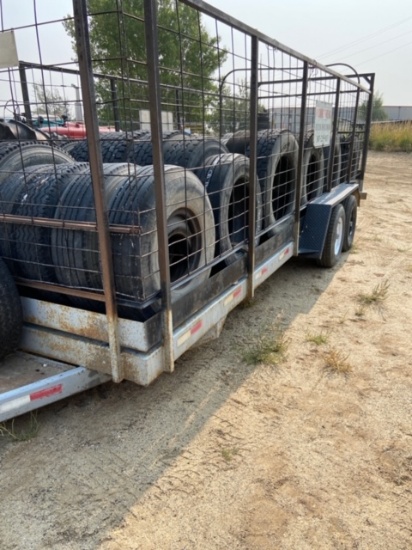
(128, 248)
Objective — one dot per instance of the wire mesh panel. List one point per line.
(251, 133)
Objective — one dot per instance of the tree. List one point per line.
(378, 112)
(232, 112)
(188, 58)
(50, 102)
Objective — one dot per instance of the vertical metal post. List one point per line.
(115, 101)
(150, 17)
(178, 110)
(367, 131)
(252, 166)
(25, 94)
(352, 141)
(333, 140)
(299, 172)
(96, 169)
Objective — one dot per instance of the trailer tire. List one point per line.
(277, 154)
(11, 317)
(226, 180)
(351, 209)
(332, 249)
(18, 156)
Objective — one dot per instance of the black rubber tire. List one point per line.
(239, 142)
(11, 318)
(351, 210)
(38, 197)
(332, 250)
(191, 152)
(190, 233)
(226, 179)
(19, 156)
(74, 252)
(313, 170)
(345, 152)
(10, 191)
(337, 163)
(277, 152)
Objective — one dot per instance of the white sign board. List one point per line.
(167, 120)
(8, 50)
(323, 124)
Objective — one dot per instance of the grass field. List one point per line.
(391, 137)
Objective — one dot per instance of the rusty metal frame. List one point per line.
(96, 170)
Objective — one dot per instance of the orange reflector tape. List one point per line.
(232, 296)
(197, 326)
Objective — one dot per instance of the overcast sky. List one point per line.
(373, 36)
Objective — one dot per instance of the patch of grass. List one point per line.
(25, 433)
(270, 349)
(229, 453)
(391, 137)
(360, 311)
(319, 338)
(337, 362)
(377, 296)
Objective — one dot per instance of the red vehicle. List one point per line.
(74, 130)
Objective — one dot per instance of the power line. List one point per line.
(380, 43)
(385, 53)
(365, 38)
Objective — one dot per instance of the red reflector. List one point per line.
(195, 328)
(237, 292)
(46, 393)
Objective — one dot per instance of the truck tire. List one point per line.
(190, 233)
(351, 209)
(11, 318)
(332, 250)
(191, 152)
(75, 253)
(38, 197)
(226, 179)
(11, 189)
(239, 142)
(18, 156)
(345, 152)
(313, 170)
(277, 158)
(337, 163)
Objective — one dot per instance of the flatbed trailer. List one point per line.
(301, 180)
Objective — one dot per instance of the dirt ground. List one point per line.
(225, 454)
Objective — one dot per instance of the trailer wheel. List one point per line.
(19, 156)
(351, 209)
(277, 153)
(334, 238)
(226, 179)
(11, 318)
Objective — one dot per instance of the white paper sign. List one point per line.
(323, 124)
(8, 50)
